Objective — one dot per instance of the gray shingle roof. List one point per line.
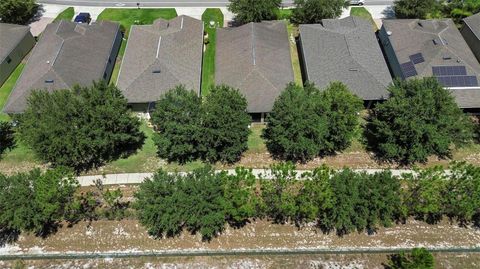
(411, 36)
(255, 58)
(345, 50)
(161, 56)
(10, 36)
(67, 53)
(473, 22)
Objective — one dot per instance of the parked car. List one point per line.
(83, 18)
(357, 2)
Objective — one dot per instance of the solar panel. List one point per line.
(408, 69)
(458, 81)
(449, 70)
(417, 58)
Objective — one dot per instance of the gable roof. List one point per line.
(161, 56)
(10, 37)
(67, 54)
(345, 50)
(255, 58)
(473, 22)
(441, 44)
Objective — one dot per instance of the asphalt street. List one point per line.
(169, 3)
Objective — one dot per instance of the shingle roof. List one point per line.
(67, 54)
(441, 44)
(161, 56)
(10, 36)
(255, 58)
(473, 22)
(345, 50)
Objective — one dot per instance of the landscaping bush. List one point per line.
(81, 128)
(419, 119)
(306, 123)
(7, 140)
(418, 258)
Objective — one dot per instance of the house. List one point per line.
(255, 58)
(345, 50)
(159, 57)
(15, 43)
(424, 48)
(67, 54)
(471, 33)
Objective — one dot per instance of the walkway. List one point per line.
(137, 178)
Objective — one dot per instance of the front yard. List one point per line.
(67, 14)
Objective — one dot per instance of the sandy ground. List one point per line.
(358, 261)
(129, 235)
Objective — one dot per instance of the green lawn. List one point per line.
(208, 71)
(7, 88)
(363, 13)
(284, 14)
(297, 72)
(67, 14)
(130, 16)
(256, 144)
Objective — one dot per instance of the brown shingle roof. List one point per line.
(161, 56)
(67, 54)
(255, 58)
(10, 36)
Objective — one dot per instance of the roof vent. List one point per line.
(389, 33)
(157, 71)
(435, 42)
(49, 81)
(353, 69)
(420, 24)
(447, 57)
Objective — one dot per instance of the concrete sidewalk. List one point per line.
(137, 178)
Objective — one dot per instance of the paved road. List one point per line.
(168, 3)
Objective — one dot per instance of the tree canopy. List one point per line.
(306, 122)
(314, 11)
(215, 130)
(418, 258)
(177, 118)
(35, 201)
(419, 119)
(80, 128)
(414, 9)
(7, 139)
(253, 10)
(17, 11)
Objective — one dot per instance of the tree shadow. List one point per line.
(389, 13)
(8, 236)
(38, 13)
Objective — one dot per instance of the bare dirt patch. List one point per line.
(129, 235)
(359, 261)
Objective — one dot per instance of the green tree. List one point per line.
(225, 125)
(305, 123)
(314, 11)
(315, 197)
(278, 194)
(419, 119)
(418, 258)
(341, 109)
(462, 195)
(253, 10)
(241, 200)
(168, 203)
(177, 119)
(80, 128)
(7, 139)
(17, 11)
(295, 130)
(414, 9)
(36, 201)
(426, 193)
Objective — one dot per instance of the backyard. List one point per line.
(212, 19)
